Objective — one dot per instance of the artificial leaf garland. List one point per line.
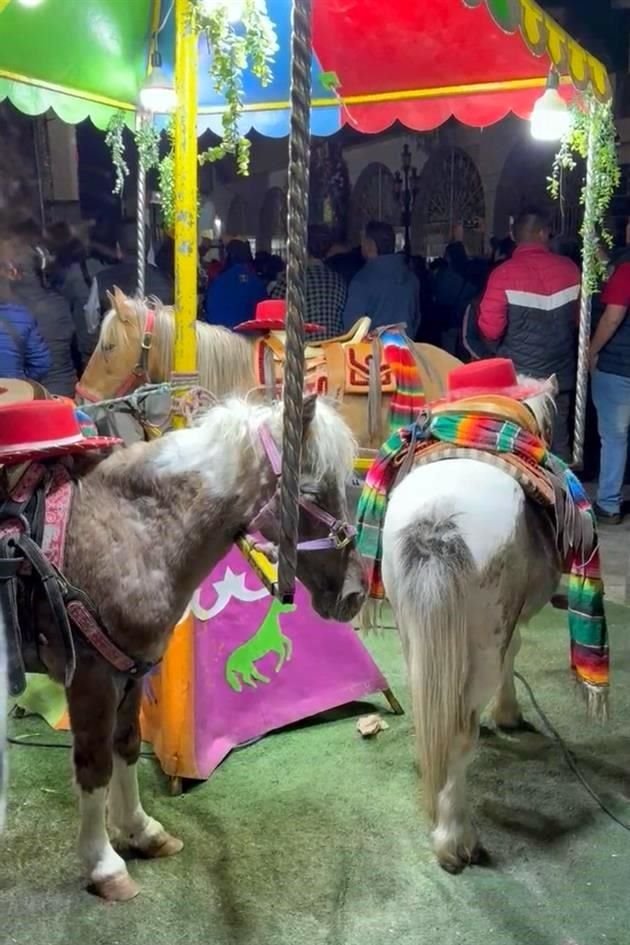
(235, 47)
(248, 44)
(591, 117)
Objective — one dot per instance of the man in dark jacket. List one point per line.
(124, 274)
(385, 289)
(529, 313)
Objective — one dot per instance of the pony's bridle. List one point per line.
(140, 374)
(340, 533)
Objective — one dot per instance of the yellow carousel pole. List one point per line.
(185, 350)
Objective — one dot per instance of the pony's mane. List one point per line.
(225, 436)
(224, 359)
(541, 402)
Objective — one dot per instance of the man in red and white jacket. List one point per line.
(529, 313)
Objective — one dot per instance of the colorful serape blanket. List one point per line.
(408, 399)
(587, 621)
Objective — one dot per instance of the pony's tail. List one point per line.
(436, 569)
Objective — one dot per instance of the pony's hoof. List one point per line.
(118, 888)
(518, 725)
(163, 845)
(454, 867)
(480, 856)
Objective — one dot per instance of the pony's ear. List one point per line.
(120, 304)
(308, 411)
(553, 386)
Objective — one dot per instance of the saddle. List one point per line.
(342, 365)
(325, 368)
(35, 505)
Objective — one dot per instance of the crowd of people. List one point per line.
(53, 294)
(520, 302)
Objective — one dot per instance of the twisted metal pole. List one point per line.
(581, 387)
(141, 219)
(297, 221)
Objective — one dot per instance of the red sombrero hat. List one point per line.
(489, 376)
(271, 315)
(38, 429)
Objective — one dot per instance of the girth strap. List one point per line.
(9, 610)
(51, 582)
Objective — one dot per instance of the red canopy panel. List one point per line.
(378, 49)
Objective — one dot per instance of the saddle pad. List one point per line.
(534, 481)
(490, 405)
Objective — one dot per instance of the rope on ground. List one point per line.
(568, 757)
(292, 431)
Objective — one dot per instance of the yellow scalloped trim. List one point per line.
(541, 32)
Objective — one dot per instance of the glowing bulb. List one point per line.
(30, 3)
(158, 95)
(217, 227)
(550, 118)
(233, 8)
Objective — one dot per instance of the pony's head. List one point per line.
(119, 361)
(333, 574)
(542, 404)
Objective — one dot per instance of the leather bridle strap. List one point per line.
(140, 374)
(340, 533)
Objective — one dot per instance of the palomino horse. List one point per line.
(466, 558)
(147, 525)
(136, 347)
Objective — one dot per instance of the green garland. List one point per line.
(166, 174)
(235, 48)
(116, 143)
(249, 45)
(597, 119)
(148, 144)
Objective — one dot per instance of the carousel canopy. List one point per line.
(373, 63)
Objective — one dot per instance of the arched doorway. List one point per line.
(373, 199)
(272, 227)
(450, 192)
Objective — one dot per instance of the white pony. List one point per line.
(466, 558)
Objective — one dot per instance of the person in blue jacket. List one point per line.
(233, 295)
(24, 354)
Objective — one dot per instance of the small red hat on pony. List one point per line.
(496, 376)
(270, 315)
(40, 429)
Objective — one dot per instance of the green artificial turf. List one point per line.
(314, 836)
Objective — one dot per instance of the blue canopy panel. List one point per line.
(274, 120)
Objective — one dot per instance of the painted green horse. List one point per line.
(241, 664)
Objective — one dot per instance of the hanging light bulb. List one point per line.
(550, 119)
(157, 94)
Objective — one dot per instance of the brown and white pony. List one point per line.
(466, 558)
(147, 525)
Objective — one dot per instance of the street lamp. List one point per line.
(405, 193)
